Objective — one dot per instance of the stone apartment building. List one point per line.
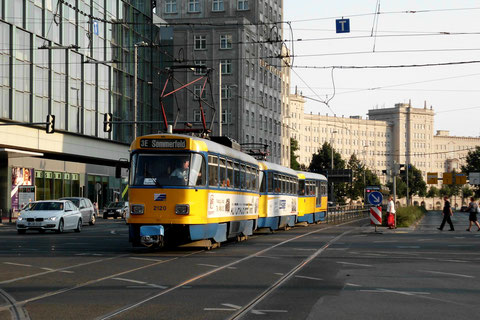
(402, 134)
(243, 39)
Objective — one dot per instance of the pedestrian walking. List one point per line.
(391, 213)
(447, 213)
(472, 209)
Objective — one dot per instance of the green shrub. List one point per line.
(406, 216)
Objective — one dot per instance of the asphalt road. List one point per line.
(344, 271)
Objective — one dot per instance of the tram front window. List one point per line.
(168, 170)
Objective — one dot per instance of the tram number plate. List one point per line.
(159, 208)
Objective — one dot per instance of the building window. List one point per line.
(197, 90)
(226, 92)
(242, 5)
(200, 71)
(171, 6)
(226, 66)
(226, 41)
(200, 42)
(217, 5)
(193, 5)
(197, 116)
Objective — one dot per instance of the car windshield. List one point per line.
(120, 204)
(168, 170)
(43, 206)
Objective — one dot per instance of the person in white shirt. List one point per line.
(391, 211)
(182, 171)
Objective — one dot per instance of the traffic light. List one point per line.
(107, 122)
(50, 128)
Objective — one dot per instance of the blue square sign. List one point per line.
(342, 25)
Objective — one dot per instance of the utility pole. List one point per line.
(220, 99)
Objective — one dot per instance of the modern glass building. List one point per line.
(75, 59)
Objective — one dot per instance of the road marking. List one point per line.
(354, 264)
(129, 280)
(18, 264)
(207, 265)
(231, 307)
(146, 259)
(47, 269)
(448, 274)
(268, 311)
(279, 274)
(352, 285)
(309, 278)
(406, 293)
(460, 261)
(67, 271)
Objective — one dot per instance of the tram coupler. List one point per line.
(152, 236)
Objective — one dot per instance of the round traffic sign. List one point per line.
(375, 198)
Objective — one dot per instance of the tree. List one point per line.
(416, 184)
(362, 177)
(433, 192)
(293, 157)
(466, 193)
(322, 161)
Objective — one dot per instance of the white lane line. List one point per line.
(207, 265)
(230, 307)
(146, 259)
(355, 264)
(268, 311)
(129, 280)
(67, 271)
(18, 264)
(352, 285)
(47, 269)
(405, 293)
(309, 278)
(460, 261)
(448, 274)
(279, 274)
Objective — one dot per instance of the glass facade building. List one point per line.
(74, 59)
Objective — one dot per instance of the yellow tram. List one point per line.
(184, 188)
(312, 197)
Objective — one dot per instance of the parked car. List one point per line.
(55, 215)
(116, 209)
(86, 207)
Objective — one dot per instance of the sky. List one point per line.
(403, 33)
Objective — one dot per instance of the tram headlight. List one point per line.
(137, 209)
(182, 209)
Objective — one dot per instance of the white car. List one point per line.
(55, 215)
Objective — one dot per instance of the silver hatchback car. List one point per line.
(89, 214)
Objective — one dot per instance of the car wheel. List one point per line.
(60, 227)
(92, 220)
(21, 231)
(79, 226)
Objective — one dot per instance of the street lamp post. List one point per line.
(135, 85)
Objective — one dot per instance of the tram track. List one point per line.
(257, 299)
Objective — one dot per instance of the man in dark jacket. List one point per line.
(447, 213)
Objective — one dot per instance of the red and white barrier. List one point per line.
(376, 215)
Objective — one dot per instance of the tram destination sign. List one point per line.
(163, 143)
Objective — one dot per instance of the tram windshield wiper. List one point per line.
(151, 178)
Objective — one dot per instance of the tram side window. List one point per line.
(243, 177)
(270, 181)
(276, 182)
(213, 171)
(263, 183)
(223, 172)
(237, 176)
(249, 178)
(301, 187)
(317, 192)
(229, 174)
